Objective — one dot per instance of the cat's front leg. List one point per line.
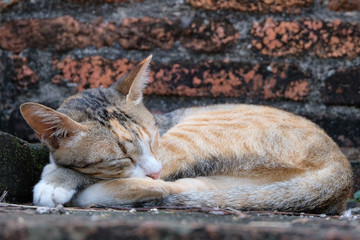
(135, 190)
(58, 185)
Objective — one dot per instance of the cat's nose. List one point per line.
(154, 175)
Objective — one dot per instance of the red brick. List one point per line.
(262, 6)
(23, 75)
(343, 87)
(323, 39)
(211, 79)
(211, 35)
(344, 5)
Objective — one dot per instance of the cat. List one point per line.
(107, 148)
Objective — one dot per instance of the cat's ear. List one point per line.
(51, 126)
(134, 83)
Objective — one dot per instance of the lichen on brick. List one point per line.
(323, 39)
(90, 72)
(212, 79)
(229, 79)
(262, 6)
(209, 35)
(23, 76)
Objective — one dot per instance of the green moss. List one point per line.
(21, 164)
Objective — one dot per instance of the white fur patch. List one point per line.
(50, 196)
(138, 172)
(95, 194)
(148, 162)
(49, 168)
(51, 158)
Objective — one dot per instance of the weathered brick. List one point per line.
(212, 35)
(8, 3)
(99, 1)
(230, 79)
(356, 171)
(102, 1)
(343, 130)
(146, 33)
(352, 154)
(212, 79)
(66, 33)
(262, 6)
(23, 75)
(343, 87)
(344, 5)
(324, 39)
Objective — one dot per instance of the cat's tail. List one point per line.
(321, 191)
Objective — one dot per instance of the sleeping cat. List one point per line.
(105, 148)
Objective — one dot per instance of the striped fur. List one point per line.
(235, 155)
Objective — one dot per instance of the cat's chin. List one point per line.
(137, 172)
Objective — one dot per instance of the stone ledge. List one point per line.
(21, 222)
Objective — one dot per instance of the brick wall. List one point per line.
(301, 55)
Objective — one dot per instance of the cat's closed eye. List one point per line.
(122, 160)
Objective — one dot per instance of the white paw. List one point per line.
(50, 196)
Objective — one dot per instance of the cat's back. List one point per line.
(240, 130)
(253, 115)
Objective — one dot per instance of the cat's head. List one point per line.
(107, 133)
